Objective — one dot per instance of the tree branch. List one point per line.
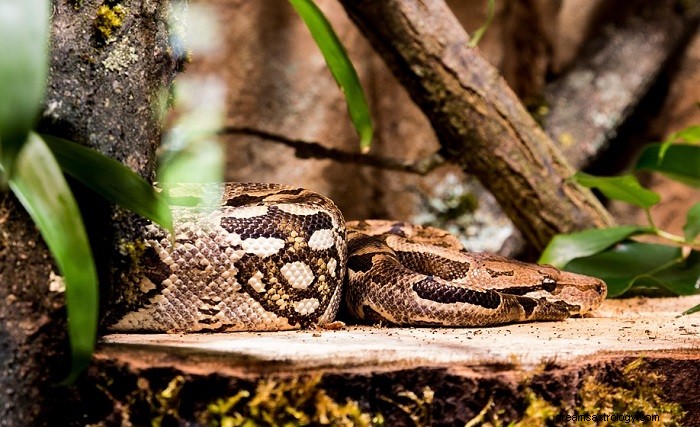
(315, 150)
(480, 123)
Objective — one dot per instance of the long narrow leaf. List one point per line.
(479, 33)
(111, 179)
(24, 29)
(41, 188)
(338, 62)
(680, 162)
(691, 310)
(565, 247)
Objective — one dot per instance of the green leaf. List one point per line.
(681, 162)
(682, 278)
(691, 229)
(41, 188)
(625, 188)
(340, 66)
(691, 310)
(479, 33)
(24, 27)
(626, 263)
(690, 134)
(111, 179)
(565, 247)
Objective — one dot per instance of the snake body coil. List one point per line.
(272, 257)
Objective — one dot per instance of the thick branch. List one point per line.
(315, 150)
(480, 122)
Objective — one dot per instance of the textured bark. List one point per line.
(103, 95)
(480, 122)
(590, 102)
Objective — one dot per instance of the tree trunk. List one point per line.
(480, 123)
(101, 93)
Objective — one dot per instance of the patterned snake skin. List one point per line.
(270, 257)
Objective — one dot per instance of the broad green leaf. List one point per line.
(625, 188)
(340, 66)
(626, 263)
(111, 179)
(681, 162)
(479, 33)
(682, 278)
(565, 247)
(690, 134)
(24, 30)
(691, 229)
(41, 188)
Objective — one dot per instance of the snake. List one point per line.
(270, 257)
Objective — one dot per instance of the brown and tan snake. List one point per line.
(270, 257)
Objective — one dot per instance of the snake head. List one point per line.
(579, 292)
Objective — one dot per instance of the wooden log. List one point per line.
(441, 376)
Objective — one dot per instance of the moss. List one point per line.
(295, 402)
(166, 402)
(634, 395)
(109, 19)
(133, 250)
(301, 401)
(637, 394)
(418, 408)
(121, 56)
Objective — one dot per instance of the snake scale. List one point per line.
(272, 257)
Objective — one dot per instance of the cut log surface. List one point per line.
(413, 376)
(630, 325)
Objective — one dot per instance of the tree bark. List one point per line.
(101, 94)
(480, 123)
(596, 96)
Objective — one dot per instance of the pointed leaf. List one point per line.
(691, 229)
(565, 247)
(681, 162)
(690, 134)
(682, 278)
(625, 188)
(111, 179)
(626, 263)
(691, 310)
(41, 188)
(24, 30)
(340, 66)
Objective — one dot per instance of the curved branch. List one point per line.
(315, 150)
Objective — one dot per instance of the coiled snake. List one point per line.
(271, 257)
